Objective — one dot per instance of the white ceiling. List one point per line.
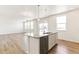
(31, 11)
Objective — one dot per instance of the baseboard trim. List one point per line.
(75, 41)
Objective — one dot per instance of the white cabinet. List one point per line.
(34, 47)
(52, 40)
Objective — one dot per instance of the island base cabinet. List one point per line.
(44, 45)
(52, 40)
(41, 45)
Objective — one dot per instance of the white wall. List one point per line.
(72, 32)
(10, 26)
(11, 17)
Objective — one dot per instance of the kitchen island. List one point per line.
(41, 44)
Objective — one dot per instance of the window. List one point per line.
(30, 34)
(61, 23)
(29, 26)
(43, 27)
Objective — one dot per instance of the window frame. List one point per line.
(44, 24)
(64, 23)
(29, 27)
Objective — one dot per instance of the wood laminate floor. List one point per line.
(10, 47)
(65, 47)
(62, 47)
(11, 43)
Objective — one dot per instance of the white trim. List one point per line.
(76, 41)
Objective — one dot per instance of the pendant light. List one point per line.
(38, 16)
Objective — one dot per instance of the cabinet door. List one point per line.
(44, 45)
(52, 41)
(34, 46)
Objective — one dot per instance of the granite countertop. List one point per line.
(38, 36)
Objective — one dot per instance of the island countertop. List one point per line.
(42, 35)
